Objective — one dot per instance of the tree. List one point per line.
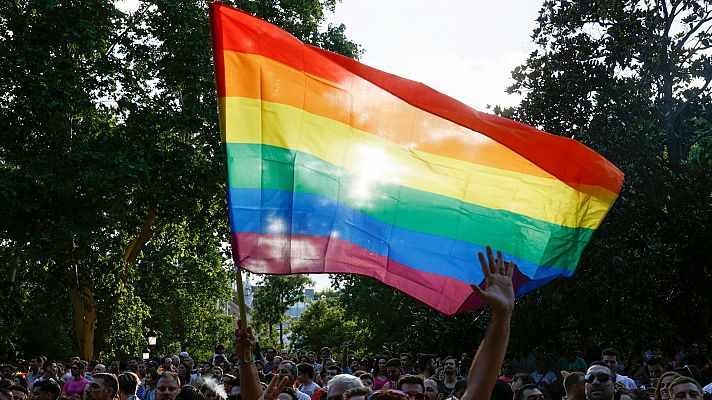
(326, 323)
(273, 298)
(112, 174)
(632, 80)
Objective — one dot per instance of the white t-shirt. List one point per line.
(309, 389)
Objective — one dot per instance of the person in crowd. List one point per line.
(413, 385)
(5, 394)
(305, 378)
(19, 392)
(611, 356)
(571, 362)
(520, 379)
(356, 394)
(528, 392)
(543, 378)
(75, 386)
(599, 380)
(449, 375)
(167, 365)
(406, 362)
(33, 373)
(341, 383)
(393, 371)
(367, 380)
(167, 386)
(663, 385)
(102, 387)
(270, 353)
(433, 389)
(231, 383)
(50, 370)
(685, 388)
(212, 389)
(506, 372)
(329, 372)
(46, 390)
(500, 390)
(183, 373)
(99, 369)
(287, 369)
(188, 392)
(380, 377)
(424, 366)
(574, 385)
(217, 373)
(19, 379)
(128, 385)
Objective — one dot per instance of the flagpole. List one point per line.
(241, 306)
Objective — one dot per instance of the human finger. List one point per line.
(492, 263)
(510, 269)
(485, 268)
(500, 263)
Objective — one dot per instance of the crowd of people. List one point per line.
(489, 373)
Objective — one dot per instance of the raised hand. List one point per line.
(498, 292)
(275, 387)
(244, 344)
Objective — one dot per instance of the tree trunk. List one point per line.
(84, 306)
(281, 336)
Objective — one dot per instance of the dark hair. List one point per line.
(526, 378)
(19, 388)
(334, 366)
(612, 373)
(410, 379)
(610, 352)
(128, 382)
(48, 386)
(572, 379)
(290, 392)
(366, 376)
(520, 392)
(188, 392)
(306, 369)
(292, 366)
(110, 381)
(393, 362)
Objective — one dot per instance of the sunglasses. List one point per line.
(602, 378)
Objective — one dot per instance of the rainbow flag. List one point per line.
(336, 167)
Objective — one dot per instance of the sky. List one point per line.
(465, 49)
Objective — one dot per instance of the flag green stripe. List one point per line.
(269, 167)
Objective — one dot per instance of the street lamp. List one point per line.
(152, 336)
(146, 353)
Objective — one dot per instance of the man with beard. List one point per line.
(600, 381)
(450, 375)
(393, 372)
(75, 386)
(167, 386)
(102, 387)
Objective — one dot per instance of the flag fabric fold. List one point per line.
(336, 167)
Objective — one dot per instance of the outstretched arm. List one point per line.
(499, 295)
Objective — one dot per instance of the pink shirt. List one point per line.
(75, 387)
